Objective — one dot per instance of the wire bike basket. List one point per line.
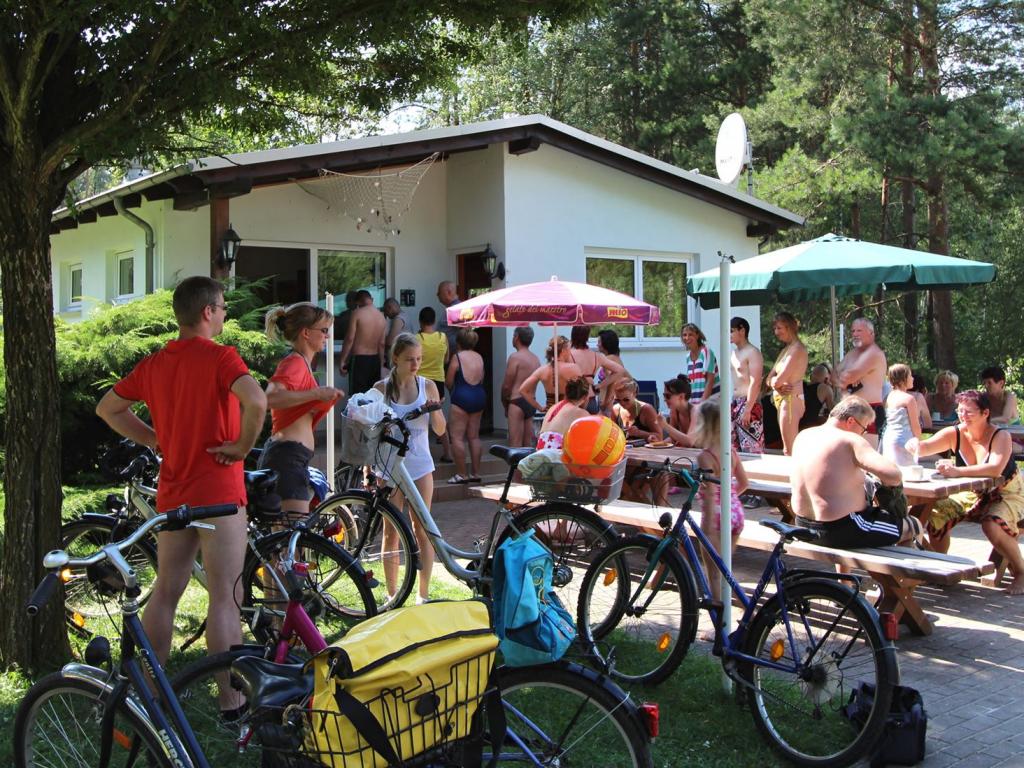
(362, 445)
(579, 484)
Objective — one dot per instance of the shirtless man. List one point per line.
(520, 365)
(786, 378)
(397, 322)
(747, 372)
(829, 463)
(364, 345)
(862, 371)
(447, 295)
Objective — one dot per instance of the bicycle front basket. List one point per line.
(361, 445)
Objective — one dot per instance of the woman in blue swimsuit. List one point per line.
(469, 398)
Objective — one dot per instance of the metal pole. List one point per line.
(835, 353)
(329, 381)
(725, 444)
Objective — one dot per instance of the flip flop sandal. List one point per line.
(473, 479)
(457, 479)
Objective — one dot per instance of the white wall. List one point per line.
(559, 206)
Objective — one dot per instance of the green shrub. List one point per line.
(98, 351)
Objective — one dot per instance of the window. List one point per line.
(126, 274)
(75, 283)
(658, 280)
(339, 272)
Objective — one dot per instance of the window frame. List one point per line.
(638, 257)
(75, 303)
(119, 258)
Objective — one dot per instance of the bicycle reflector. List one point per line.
(609, 576)
(890, 625)
(335, 530)
(664, 642)
(65, 575)
(651, 717)
(778, 648)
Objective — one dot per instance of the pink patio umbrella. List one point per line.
(556, 302)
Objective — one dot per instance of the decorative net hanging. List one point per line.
(374, 201)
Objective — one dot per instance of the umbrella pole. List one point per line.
(554, 363)
(725, 446)
(835, 351)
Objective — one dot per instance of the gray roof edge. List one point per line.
(125, 188)
(222, 162)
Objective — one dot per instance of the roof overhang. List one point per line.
(198, 182)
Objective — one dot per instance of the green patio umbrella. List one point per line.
(832, 266)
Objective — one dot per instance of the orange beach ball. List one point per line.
(592, 446)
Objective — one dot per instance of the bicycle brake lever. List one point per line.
(204, 526)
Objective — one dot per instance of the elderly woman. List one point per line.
(943, 400)
(980, 449)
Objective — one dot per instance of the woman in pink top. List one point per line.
(296, 402)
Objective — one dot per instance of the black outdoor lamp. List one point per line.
(229, 248)
(492, 266)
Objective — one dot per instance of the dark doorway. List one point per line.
(474, 280)
(286, 268)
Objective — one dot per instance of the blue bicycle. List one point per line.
(796, 656)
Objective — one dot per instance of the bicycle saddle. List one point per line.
(790, 532)
(260, 481)
(512, 455)
(267, 684)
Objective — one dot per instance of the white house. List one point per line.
(546, 198)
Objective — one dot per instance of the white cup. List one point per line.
(912, 472)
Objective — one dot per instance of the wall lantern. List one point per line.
(229, 248)
(492, 266)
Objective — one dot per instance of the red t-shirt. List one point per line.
(187, 387)
(294, 375)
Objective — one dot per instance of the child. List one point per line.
(706, 437)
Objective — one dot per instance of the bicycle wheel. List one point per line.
(58, 724)
(647, 632)
(573, 534)
(379, 537)
(88, 610)
(336, 595)
(839, 645)
(564, 714)
(197, 689)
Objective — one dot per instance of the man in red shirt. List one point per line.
(193, 388)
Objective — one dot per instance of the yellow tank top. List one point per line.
(435, 347)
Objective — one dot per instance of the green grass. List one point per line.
(700, 724)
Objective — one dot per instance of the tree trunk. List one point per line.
(935, 187)
(32, 467)
(910, 304)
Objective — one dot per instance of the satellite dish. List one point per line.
(731, 152)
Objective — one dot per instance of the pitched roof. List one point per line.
(194, 183)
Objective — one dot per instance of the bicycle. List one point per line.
(363, 516)
(338, 590)
(140, 726)
(796, 655)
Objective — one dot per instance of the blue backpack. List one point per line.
(532, 625)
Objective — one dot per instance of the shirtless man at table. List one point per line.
(786, 378)
(829, 463)
(862, 372)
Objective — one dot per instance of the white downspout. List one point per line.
(150, 240)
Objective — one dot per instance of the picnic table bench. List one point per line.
(897, 570)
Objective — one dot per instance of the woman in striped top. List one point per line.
(701, 366)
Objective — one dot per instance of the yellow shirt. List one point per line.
(435, 348)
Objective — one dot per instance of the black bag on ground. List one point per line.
(905, 728)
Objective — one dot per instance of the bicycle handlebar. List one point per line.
(692, 476)
(58, 559)
(42, 594)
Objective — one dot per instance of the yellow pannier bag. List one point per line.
(400, 684)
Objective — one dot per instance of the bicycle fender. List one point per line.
(100, 679)
(803, 574)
